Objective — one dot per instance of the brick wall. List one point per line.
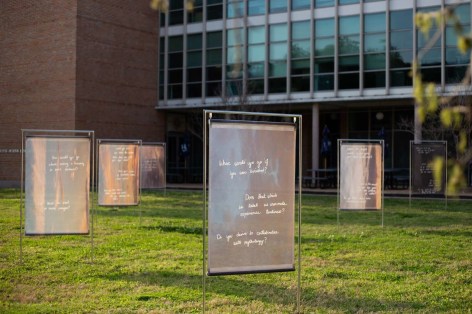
(37, 73)
(88, 65)
(117, 53)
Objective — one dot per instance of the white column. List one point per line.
(315, 136)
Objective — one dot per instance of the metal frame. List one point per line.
(163, 144)
(124, 142)
(56, 134)
(445, 170)
(207, 116)
(361, 141)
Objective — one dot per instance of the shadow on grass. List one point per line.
(243, 286)
(179, 229)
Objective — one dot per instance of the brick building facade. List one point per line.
(83, 65)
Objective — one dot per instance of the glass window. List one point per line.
(195, 15)
(278, 51)
(256, 53)
(324, 82)
(255, 7)
(374, 61)
(324, 3)
(374, 79)
(401, 19)
(278, 32)
(194, 58)
(324, 65)
(214, 40)
(374, 43)
(214, 10)
(349, 25)
(301, 49)
(300, 4)
(256, 35)
(456, 62)
(401, 40)
(277, 6)
(374, 23)
(341, 2)
(235, 9)
(348, 44)
(324, 47)
(324, 28)
(176, 43)
(300, 30)
(194, 41)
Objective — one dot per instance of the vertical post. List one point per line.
(21, 194)
(92, 182)
(299, 212)
(205, 125)
(382, 142)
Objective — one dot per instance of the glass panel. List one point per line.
(175, 60)
(194, 41)
(174, 91)
(324, 82)
(349, 25)
(194, 59)
(214, 56)
(400, 78)
(454, 56)
(401, 59)
(176, 43)
(374, 79)
(349, 81)
(234, 55)
(233, 87)
(324, 47)
(425, 40)
(278, 68)
(301, 49)
(324, 28)
(235, 9)
(301, 67)
(374, 23)
(324, 65)
(213, 89)
(255, 69)
(175, 76)
(256, 87)
(300, 4)
(463, 13)
(256, 7)
(341, 2)
(235, 37)
(401, 40)
(214, 40)
(300, 84)
(278, 6)
(278, 51)
(215, 12)
(348, 44)
(194, 90)
(195, 16)
(431, 75)
(432, 57)
(455, 74)
(256, 35)
(278, 32)
(213, 73)
(278, 85)
(209, 2)
(176, 18)
(324, 3)
(256, 53)
(401, 19)
(234, 71)
(374, 43)
(300, 30)
(374, 61)
(176, 4)
(350, 63)
(194, 75)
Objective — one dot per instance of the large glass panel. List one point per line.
(374, 23)
(349, 25)
(194, 58)
(278, 32)
(278, 51)
(349, 81)
(348, 44)
(431, 58)
(235, 37)
(324, 65)
(194, 90)
(256, 35)
(325, 28)
(301, 67)
(215, 12)
(431, 75)
(256, 53)
(374, 61)
(175, 76)
(400, 78)
(300, 30)
(401, 19)
(324, 82)
(277, 68)
(324, 3)
(301, 49)
(454, 56)
(214, 57)
(194, 75)
(278, 6)
(401, 40)
(176, 43)
(213, 73)
(374, 79)
(194, 41)
(214, 39)
(277, 85)
(234, 55)
(324, 47)
(235, 9)
(374, 43)
(175, 60)
(401, 59)
(255, 87)
(350, 63)
(300, 83)
(455, 74)
(341, 2)
(255, 7)
(300, 4)
(256, 69)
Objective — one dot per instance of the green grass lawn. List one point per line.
(421, 261)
